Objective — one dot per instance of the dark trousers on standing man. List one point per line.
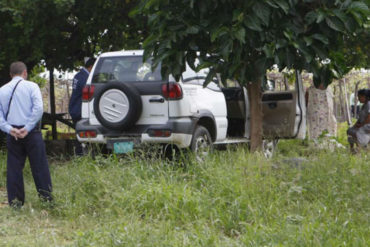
(33, 147)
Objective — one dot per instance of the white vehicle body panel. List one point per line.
(180, 140)
(153, 113)
(197, 102)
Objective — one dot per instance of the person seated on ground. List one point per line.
(359, 133)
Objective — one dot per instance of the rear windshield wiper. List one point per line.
(194, 78)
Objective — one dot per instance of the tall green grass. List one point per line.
(233, 198)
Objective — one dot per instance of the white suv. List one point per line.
(126, 104)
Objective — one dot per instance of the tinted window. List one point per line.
(125, 69)
(192, 77)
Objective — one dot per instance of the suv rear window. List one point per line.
(125, 69)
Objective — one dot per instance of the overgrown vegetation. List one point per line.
(234, 198)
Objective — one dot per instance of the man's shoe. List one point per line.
(16, 204)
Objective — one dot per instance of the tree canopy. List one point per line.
(242, 39)
(62, 32)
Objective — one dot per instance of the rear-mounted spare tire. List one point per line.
(117, 105)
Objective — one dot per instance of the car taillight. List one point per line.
(172, 91)
(88, 92)
(87, 134)
(159, 133)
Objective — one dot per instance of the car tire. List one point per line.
(201, 143)
(117, 105)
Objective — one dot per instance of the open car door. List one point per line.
(284, 110)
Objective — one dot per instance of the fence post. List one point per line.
(347, 113)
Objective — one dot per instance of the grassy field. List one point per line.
(304, 196)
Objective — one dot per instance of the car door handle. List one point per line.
(156, 100)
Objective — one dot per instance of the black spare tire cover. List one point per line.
(117, 105)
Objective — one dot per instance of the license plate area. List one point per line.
(121, 146)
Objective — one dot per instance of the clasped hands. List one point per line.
(18, 133)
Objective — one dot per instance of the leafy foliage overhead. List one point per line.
(242, 39)
(62, 32)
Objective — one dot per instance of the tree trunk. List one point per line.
(48, 96)
(341, 101)
(52, 104)
(335, 101)
(68, 94)
(255, 102)
(286, 84)
(348, 115)
(355, 100)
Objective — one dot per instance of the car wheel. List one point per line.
(117, 105)
(269, 147)
(201, 144)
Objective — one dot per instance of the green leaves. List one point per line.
(253, 23)
(335, 24)
(359, 6)
(241, 39)
(218, 32)
(314, 17)
(283, 4)
(263, 12)
(259, 18)
(240, 35)
(269, 50)
(238, 15)
(321, 37)
(308, 40)
(63, 32)
(260, 66)
(192, 30)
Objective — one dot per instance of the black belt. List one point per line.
(18, 126)
(37, 127)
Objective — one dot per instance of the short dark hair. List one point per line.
(90, 62)
(364, 92)
(17, 68)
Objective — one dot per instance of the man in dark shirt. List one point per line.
(75, 103)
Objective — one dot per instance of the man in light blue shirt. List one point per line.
(21, 108)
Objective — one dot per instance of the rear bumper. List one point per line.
(181, 130)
